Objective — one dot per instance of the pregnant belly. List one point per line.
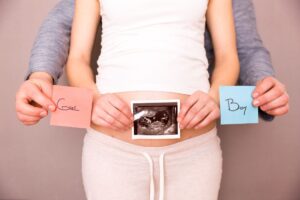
(151, 95)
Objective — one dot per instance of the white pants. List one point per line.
(116, 170)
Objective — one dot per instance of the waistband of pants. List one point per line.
(184, 145)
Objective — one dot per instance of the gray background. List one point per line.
(42, 162)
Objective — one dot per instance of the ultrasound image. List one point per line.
(155, 119)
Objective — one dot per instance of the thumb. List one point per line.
(263, 86)
(187, 104)
(41, 92)
(46, 88)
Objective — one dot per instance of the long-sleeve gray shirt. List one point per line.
(50, 49)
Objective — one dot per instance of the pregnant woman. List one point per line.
(152, 49)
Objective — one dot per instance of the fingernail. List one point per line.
(255, 102)
(51, 107)
(180, 126)
(43, 113)
(255, 94)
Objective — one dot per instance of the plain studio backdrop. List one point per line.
(261, 161)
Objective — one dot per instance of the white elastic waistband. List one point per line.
(181, 146)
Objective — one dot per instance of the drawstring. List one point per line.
(151, 175)
(161, 176)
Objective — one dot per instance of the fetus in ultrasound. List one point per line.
(158, 119)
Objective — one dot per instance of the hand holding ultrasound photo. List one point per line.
(155, 119)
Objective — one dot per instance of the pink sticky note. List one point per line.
(74, 106)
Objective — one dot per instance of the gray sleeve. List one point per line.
(50, 50)
(255, 60)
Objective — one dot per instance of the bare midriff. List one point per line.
(152, 95)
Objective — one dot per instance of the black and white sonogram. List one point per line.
(155, 119)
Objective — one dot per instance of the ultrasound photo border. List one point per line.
(177, 101)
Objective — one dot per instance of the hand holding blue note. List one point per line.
(236, 105)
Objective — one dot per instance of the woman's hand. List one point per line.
(112, 112)
(198, 110)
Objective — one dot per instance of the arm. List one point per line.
(255, 61)
(254, 58)
(108, 109)
(221, 26)
(201, 109)
(256, 68)
(50, 49)
(48, 56)
(86, 19)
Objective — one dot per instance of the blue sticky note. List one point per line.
(236, 105)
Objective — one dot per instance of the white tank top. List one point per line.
(155, 45)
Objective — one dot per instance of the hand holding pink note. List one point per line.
(74, 106)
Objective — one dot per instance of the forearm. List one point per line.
(255, 65)
(79, 74)
(84, 27)
(255, 60)
(226, 72)
(221, 25)
(50, 49)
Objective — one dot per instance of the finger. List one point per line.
(192, 113)
(22, 106)
(267, 97)
(47, 90)
(201, 114)
(110, 119)
(121, 106)
(215, 114)
(27, 118)
(279, 111)
(30, 123)
(187, 104)
(278, 102)
(101, 122)
(39, 97)
(117, 114)
(263, 86)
